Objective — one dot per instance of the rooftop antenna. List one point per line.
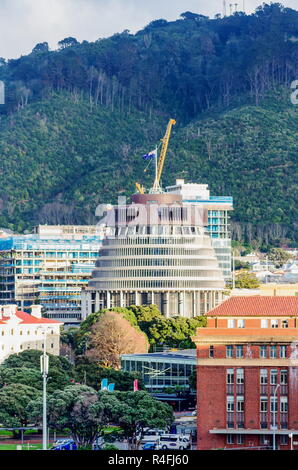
(224, 8)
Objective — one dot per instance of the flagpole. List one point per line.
(156, 164)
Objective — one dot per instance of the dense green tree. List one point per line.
(246, 281)
(41, 47)
(20, 375)
(14, 399)
(138, 411)
(279, 256)
(61, 371)
(80, 409)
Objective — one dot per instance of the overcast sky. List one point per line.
(24, 23)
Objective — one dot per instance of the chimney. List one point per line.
(9, 310)
(36, 311)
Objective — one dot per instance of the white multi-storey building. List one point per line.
(20, 331)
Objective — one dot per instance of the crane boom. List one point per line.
(165, 143)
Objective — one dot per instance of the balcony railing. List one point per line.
(230, 420)
(240, 419)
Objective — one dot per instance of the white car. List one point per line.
(173, 441)
(151, 435)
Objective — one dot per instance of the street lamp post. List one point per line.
(44, 369)
(291, 438)
(274, 416)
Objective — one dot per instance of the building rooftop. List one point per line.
(26, 319)
(179, 354)
(257, 306)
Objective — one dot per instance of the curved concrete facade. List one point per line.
(170, 262)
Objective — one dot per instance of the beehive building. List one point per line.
(157, 251)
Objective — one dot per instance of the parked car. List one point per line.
(66, 445)
(149, 446)
(173, 441)
(151, 435)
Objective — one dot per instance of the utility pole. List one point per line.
(274, 416)
(44, 369)
(224, 8)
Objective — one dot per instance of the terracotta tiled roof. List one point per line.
(29, 319)
(257, 306)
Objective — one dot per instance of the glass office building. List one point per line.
(49, 267)
(217, 224)
(162, 370)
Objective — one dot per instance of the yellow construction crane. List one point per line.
(159, 169)
(140, 188)
(160, 164)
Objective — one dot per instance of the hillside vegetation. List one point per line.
(77, 120)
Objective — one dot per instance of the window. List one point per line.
(264, 376)
(283, 404)
(263, 352)
(239, 351)
(240, 439)
(229, 351)
(283, 351)
(283, 377)
(241, 323)
(273, 405)
(240, 404)
(231, 323)
(230, 376)
(264, 405)
(230, 404)
(284, 324)
(273, 377)
(283, 440)
(274, 323)
(230, 439)
(273, 352)
(264, 323)
(211, 351)
(240, 376)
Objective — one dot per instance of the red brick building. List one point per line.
(247, 373)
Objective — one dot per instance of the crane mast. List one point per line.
(156, 188)
(159, 169)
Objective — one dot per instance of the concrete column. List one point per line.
(165, 301)
(138, 298)
(185, 310)
(152, 298)
(205, 302)
(180, 304)
(194, 303)
(121, 299)
(97, 304)
(108, 303)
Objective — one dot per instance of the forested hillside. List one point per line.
(77, 120)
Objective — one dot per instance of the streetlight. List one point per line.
(274, 420)
(291, 438)
(44, 369)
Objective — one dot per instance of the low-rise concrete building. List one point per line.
(20, 331)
